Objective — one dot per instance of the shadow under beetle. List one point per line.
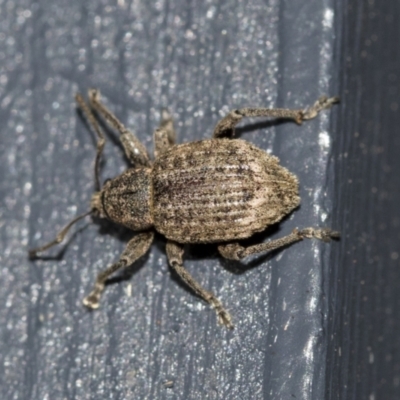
(219, 190)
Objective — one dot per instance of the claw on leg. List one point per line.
(93, 299)
(324, 234)
(322, 103)
(223, 316)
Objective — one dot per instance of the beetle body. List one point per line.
(202, 192)
(219, 190)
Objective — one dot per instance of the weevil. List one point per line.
(218, 190)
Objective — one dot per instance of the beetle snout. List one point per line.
(96, 206)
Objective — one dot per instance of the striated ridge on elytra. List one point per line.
(252, 191)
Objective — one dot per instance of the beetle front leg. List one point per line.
(174, 254)
(234, 251)
(226, 127)
(164, 136)
(101, 139)
(135, 249)
(134, 150)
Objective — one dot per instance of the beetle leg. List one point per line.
(234, 251)
(134, 150)
(164, 136)
(100, 143)
(226, 126)
(174, 254)
(135, 249)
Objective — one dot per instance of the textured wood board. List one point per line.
(201, 60)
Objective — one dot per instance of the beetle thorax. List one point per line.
(126, 199)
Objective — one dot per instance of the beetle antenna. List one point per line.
(59, 238)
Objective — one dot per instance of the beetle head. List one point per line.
(96, 206)
(126, 200)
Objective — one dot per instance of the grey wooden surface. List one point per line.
(363, 354)
(200, 59)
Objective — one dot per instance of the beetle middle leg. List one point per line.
(226, 126)
(174, 254)
(234, 251)
(134, 149)
(135, 249)
(164, 136)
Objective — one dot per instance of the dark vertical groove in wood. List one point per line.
(364, 318)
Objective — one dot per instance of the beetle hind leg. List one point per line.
(322, 103)
(174, 254)
(234, 251)
(226, 126)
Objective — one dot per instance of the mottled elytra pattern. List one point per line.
(216, 190)
(252, 191)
